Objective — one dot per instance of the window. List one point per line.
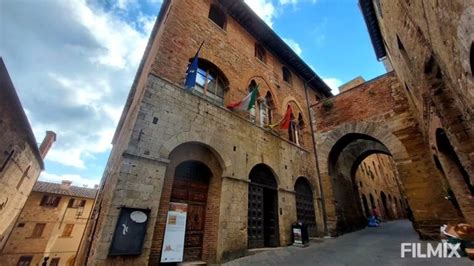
(25, 174)
(54, 262)
(260, 52)
(50, 201)
(266, 109)
(25, 260)
(218, 16)
(299, 130)
(286, 74)
(38, 230)
(210, 82)
(76, 203)
(21, 225)
(250, 88)
(9, 157)
(68, 230)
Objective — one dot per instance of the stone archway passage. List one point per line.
(262, 227)
(190, 186)
(305, 205)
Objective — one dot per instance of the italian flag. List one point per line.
(246, 103)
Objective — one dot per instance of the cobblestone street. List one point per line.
(371, 246)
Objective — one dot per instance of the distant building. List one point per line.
(379, 187)
(351, 84)
(21, 161)
(51, 225)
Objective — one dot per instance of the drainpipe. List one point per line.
(321, 194)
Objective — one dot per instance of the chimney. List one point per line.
(48, 141)
(65, 184)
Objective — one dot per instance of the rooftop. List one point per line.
(60, 189)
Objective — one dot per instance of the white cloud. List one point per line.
(72, 64)
(264, 9)
(334, 84)
(77, 180)
(294, 45)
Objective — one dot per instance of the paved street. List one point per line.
(371, 246)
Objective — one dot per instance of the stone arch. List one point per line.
(304, 198)
(264, 88)
(413, 175)
(290, 100)
(202, 139)
(193, 176)
(263, 218)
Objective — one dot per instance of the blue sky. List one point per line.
(73, 62)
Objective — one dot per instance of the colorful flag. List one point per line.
(246, 103)
(192, 71)
(285, 122)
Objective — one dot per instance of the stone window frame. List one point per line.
(38, 230)
(286, 74)
(25, 260)
(217, 16)
(260, 53)
(207, 69)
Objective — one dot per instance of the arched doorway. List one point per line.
(366, 206)
(385, 205)
(262, 230)
(193, 176)
(305, 205)
(190, 186)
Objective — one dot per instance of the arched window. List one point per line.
(260, 52)
(210, 82)
(299, 130)
(218, 16)
(286, 74)
(292, 129)
(266, 110)
(251, 87)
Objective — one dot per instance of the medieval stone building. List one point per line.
(244, 183)
(21, 160)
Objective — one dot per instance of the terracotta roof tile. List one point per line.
(73, 191)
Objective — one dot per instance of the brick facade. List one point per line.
(389, 123)
(163, 124)
(430, 45)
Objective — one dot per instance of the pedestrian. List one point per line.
(375, 213)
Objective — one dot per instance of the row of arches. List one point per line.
(212, 84)
(194, 177)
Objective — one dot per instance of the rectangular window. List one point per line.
(9, 157)
(68, 230)
(76, 203)
(54, 262)
(25, 260)
(38, 230)
(50, 201)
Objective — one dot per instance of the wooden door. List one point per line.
(305, 206)
(189, 186)
(255, 220)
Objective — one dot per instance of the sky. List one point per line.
(73, 62)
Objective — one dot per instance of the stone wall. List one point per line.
(238, 145)
(18, 172)
(379, 109)
(429, 44)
